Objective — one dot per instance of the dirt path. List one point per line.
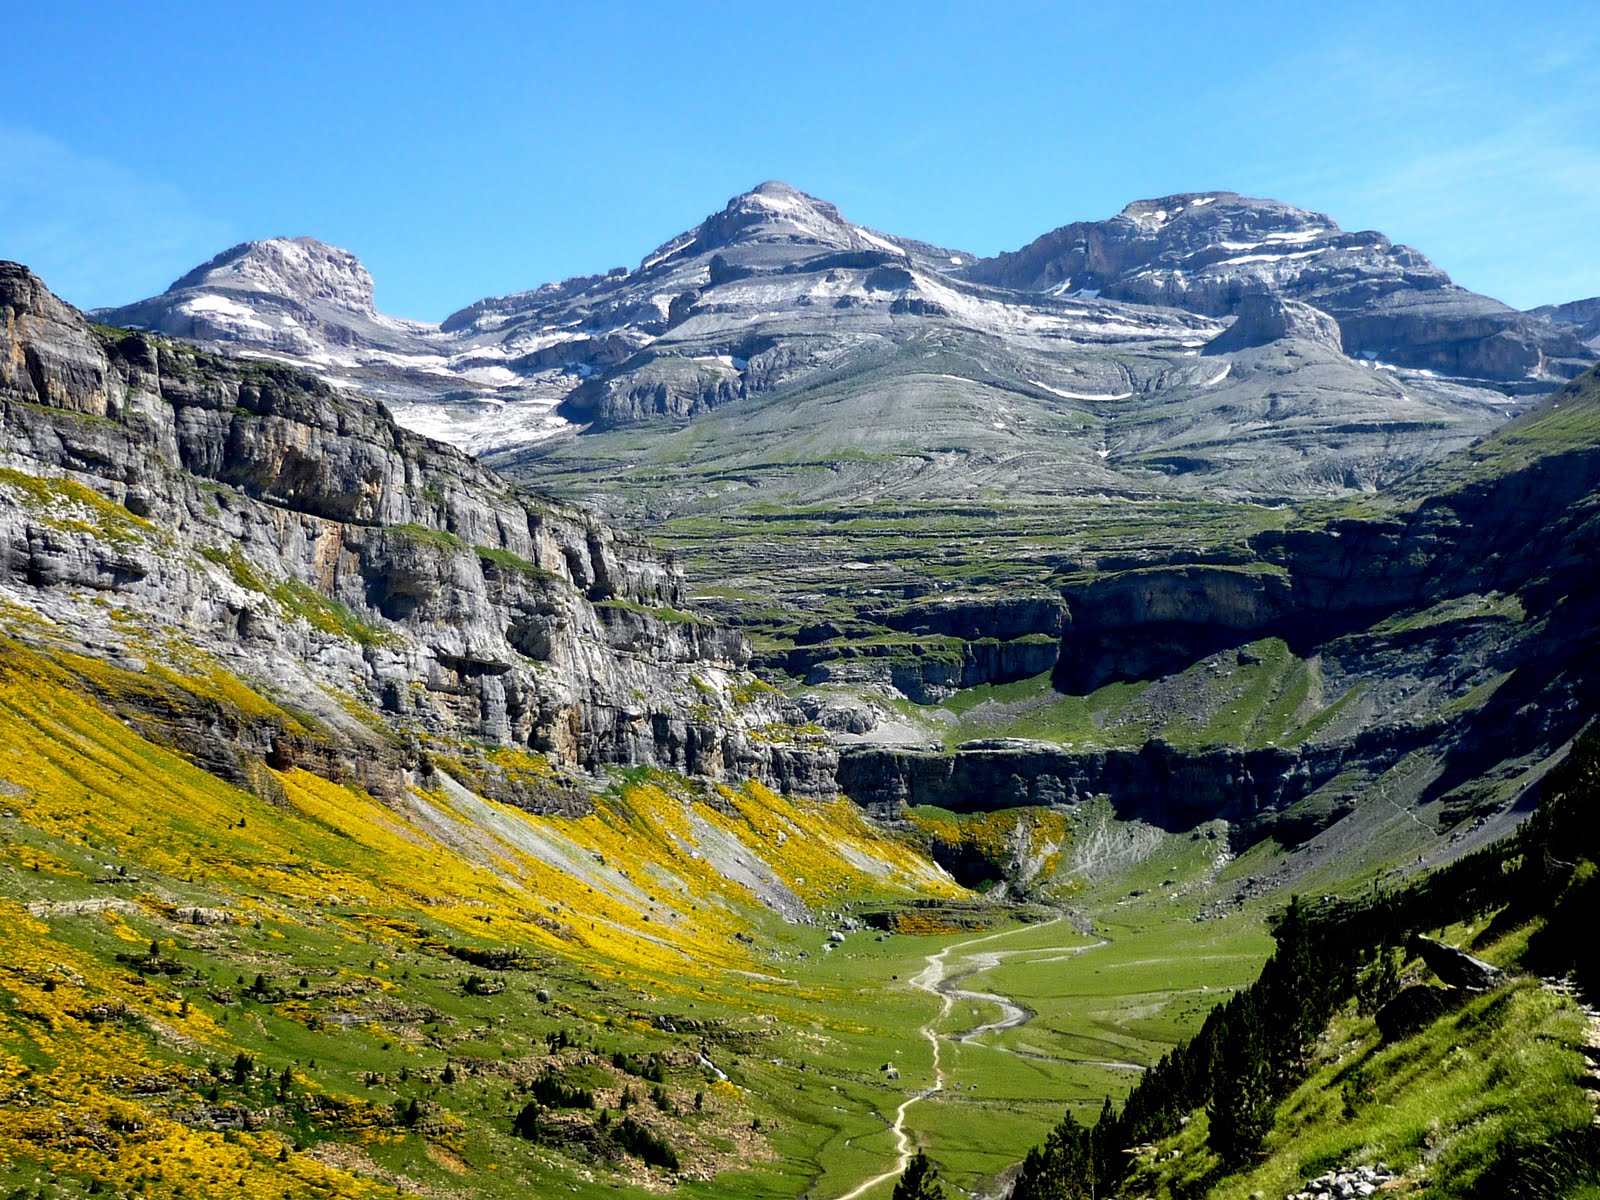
(937, 979)
(1591, 1039)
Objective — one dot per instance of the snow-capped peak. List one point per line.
(771, 212)
(300, 269)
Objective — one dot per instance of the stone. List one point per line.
(1455, 967)
(204, 916)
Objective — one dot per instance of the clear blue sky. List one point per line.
(464, 150)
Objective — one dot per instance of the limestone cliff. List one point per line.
(295, 532)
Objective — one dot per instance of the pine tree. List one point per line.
(529, 1125)
(1062, 1169)
(1105, 1146)
(1241, 1103)
(919, 1181)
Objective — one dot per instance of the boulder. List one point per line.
(1456, 967)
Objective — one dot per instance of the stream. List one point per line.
(938, 978)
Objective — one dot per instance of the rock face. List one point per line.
(51, 357)
(1208, 251)
(1174, 788)
(1582, 317)
(299, 534)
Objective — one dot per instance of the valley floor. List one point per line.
(302, 988)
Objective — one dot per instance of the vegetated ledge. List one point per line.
(1173, 787)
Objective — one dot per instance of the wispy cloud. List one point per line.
(1489, 168)
(96, 232)
(1513, 212)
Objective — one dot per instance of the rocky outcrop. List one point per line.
(1262, 319)
(297, 531)
(1004, 618)
(1415, 1008)
(652, 386)
(925, 672)
(1348, 1183)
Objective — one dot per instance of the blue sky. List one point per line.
(469, 150)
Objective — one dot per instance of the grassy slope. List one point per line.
(363, 900)
(1436, 1107)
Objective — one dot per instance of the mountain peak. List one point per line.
(776, 212)
(1223, 207)
(775, 187)
(771, 213)
(300, 269)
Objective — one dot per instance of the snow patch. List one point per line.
(667, 251)
(1081, 395)
(1253, 258)
(224, 311)
(485, 422)
(873, 240)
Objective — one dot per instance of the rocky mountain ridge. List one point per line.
(295, 297)
(1206, 252)
(297, 534)
(779, 294)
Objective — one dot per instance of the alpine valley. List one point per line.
(810, 713)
